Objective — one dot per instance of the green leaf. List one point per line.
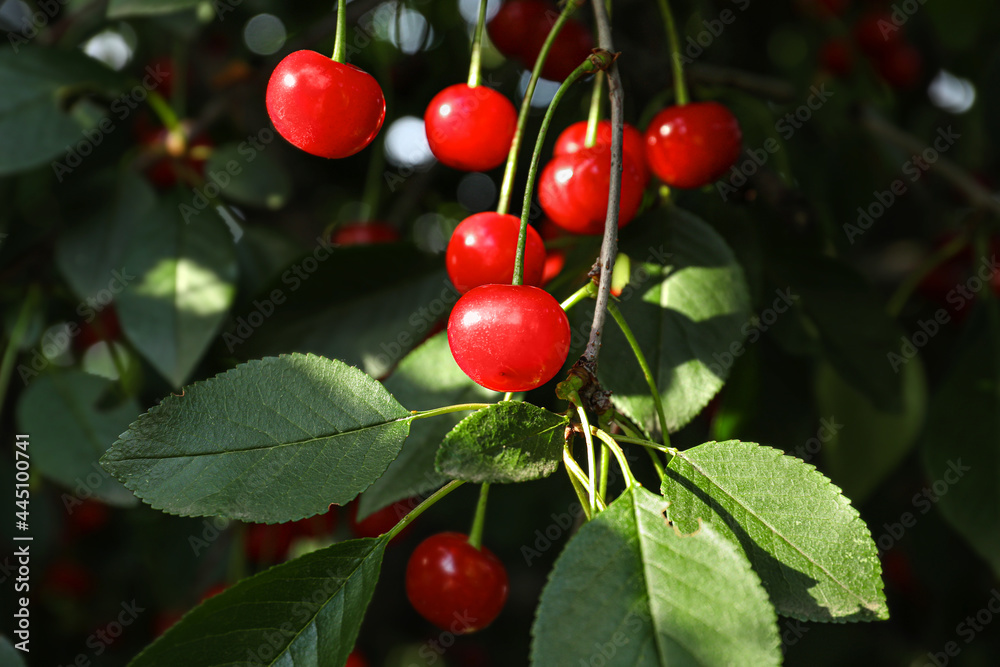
(507, 442)
(304, 613)
(70, 432)
(427, 378)
(813, 552)
(122, 8)
(961, 443)
(686, 304)
(632, 589)
(92, 254)
(181, 285)
(853, 326)
(865, 444)
(41, 113)
(9, 655)
(270, 441)
(249, 176)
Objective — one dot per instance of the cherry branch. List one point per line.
(609, 245)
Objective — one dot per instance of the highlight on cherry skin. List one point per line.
(470, 128)
(482, 250)
(692, 145)
(509, 337)
(454, 585)
(323, 107)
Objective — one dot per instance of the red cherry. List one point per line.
(876, 33)
(356, 659)
(509, 337)
(212, 591)
(268, 543)
(520, 28)
(87, 517)
(901, 66)
(574, 137)
(454, 585)
(470, 128)
(105, 326)
(183, 154)
(555, 262)
(692, 145)
(382, 521)
(836, 57)
(482, 250)
(573, 190)
(68, 578)
(326, 108)
(364, 233)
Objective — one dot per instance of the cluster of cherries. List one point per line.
(505, 337)
(880, 38)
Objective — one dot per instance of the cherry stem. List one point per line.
(579, 480)
(902, 295)
(591, 464)
(421, 508)
(578, 296)
(476, 534)
(652, 455)
(594, 117)
(680, 88)
(605, 465)
(373, 180)
(340, 45)
(616, 450)
(522, 116)
(647, 372)
(464, 407)
(609, 243)
(593, 62)
(649, 444)
(16, 336)
(163, 111)
(475, 73)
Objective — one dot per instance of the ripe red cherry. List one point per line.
(356, 659)
(470, 128)
(454, 585)
(509, 337)
(326, 108)
(836, 57)
(519, 30)
(183, 154)
(573, 190)
(383, 520)
(482, 250)
(692, 145)
(364, 233)
(876, 33)
(104, 326)
(574, 138)
(901, 66)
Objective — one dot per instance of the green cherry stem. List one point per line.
(680, 88)
(16, 335)
(649, 444)
(475, 67)
(577, 480)
(476, 534)
(594, 116)
(163, 111)
(635, 437)
(618, 454)
(587, 291)
(421, 508)
(340, 46)
(591, 464)
(522, 116)
(647, 372)
(463, 407)
(595, 61)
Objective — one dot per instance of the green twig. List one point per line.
(423, 414)
(475, 67)
(594, 116)
(422, 507)
(476, 534)
(340, 46)
(680, 88)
